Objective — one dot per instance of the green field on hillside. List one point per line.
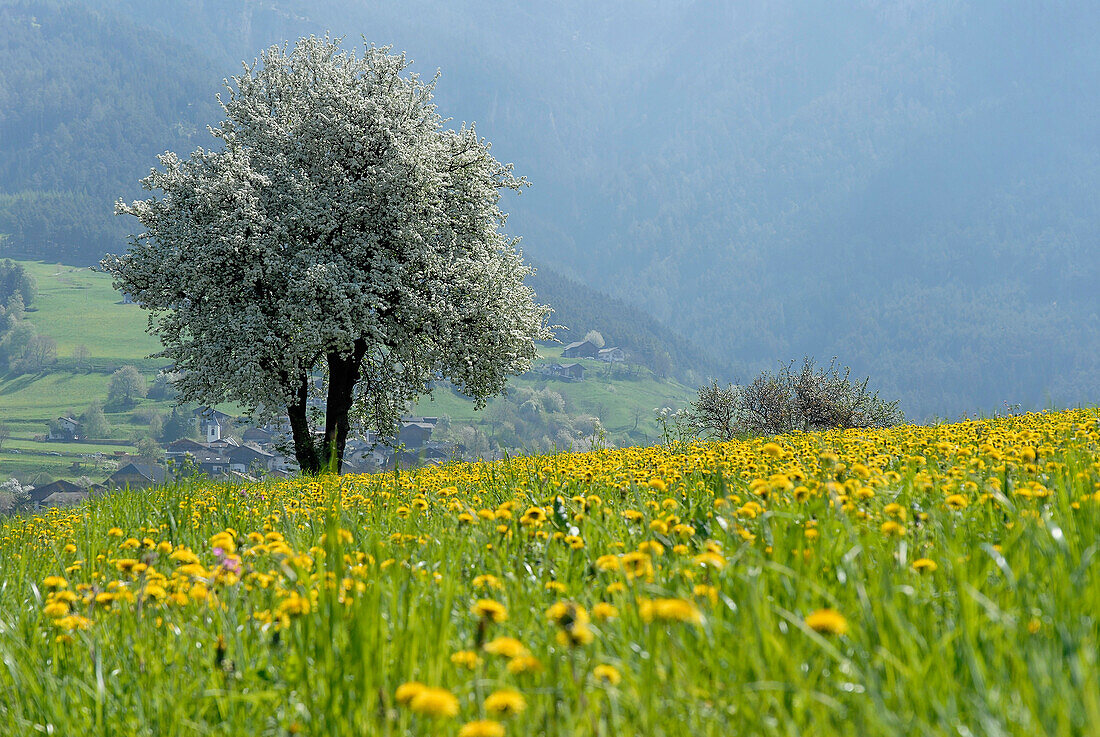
(622, 402)
(77, 306)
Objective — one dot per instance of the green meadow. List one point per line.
(913, 581)
(77, 306)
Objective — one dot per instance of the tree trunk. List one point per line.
(305, 450)
(343, 373)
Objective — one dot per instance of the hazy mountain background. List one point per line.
(910, 186)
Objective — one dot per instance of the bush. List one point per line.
(13, 495)
(811, 398)
(94, 423)
(126, 385)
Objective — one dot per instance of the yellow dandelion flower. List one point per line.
(533, 516)
(710, 560)
(608, 563)
(703, 591)
(56, 609)
(524, 664)
(293, 605)
(487, 581)
(73, 622)
(893, 509)
(670, 610)
(892, 528)
(505, 702)
(683, 530)
(407, 691)
(636, 565)
(566, 613)
(576, 635)
(508, 647)
(608, 674)
(604, 611)
(957, 501)
(489, 610)
(827, 622)
(481, 728)
(924, 565)
(437, 703)
(466, 659)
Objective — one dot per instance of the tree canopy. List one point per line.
(340, 241)
(126, 385)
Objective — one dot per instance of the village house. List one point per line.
(60, 493)
(248, 458)
(414, 434)
(257, 435)
(136, 476)
(612, 355)
(571, 371)
(221, 457)
(581, 349)
(430, 454)
(65, 429)
(563, 371)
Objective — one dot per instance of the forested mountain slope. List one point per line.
(908, 186)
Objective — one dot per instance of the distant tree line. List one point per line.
(22, 349)
(64, 163)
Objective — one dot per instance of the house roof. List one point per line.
(207, 455)
(41, 493)
(64, 498)
(208, 412)
(413, 419)
(150, 473)
(246, 452)
(184, 445)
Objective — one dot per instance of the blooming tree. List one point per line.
(340, 242)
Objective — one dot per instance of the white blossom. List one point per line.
(339, 229)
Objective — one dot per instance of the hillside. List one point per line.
(87, 101)
(906, 186)
(645, 591)
(579, 308)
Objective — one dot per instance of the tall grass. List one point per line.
(998, 636)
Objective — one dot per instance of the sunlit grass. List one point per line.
(918, 580)
(77, 306)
